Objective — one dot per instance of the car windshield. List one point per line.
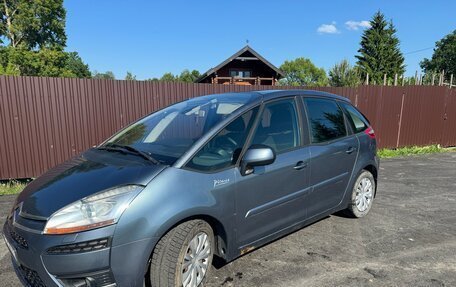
(167, 134)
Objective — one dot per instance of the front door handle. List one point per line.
(300, 165)
(350, 150)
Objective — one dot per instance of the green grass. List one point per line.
(11, 187)
(413, 150)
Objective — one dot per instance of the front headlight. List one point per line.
(101, 209)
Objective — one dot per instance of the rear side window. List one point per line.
(326, 120)
(356, 119)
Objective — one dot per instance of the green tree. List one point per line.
(33, 24)
(33, 34)
(379, 53)
(108, 75)
(344, 75)
(169, 77)
(302, 72)
(44, 62)
(9, 70)
(443, 58)
(189, 76)
(130, 77)
(75, 64)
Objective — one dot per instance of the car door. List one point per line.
(333, 153)
(272, 197)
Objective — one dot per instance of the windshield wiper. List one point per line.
(114, 146)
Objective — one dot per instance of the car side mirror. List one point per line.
(256, 155)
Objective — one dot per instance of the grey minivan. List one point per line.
(217, 175)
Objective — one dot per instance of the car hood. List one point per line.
(90, 172)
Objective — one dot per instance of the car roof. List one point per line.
(272, 94)
(265, 95)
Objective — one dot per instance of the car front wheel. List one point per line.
(183, 257)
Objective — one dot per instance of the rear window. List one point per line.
(356, 119)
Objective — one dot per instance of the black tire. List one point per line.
(353, 209)
(168, 256)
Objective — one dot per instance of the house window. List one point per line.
(240, 74)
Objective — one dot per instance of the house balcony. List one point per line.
(244, 81)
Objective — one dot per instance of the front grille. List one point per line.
(19, 239)
(32, 278)
(98, 279)
(102, 279)
(85, 246)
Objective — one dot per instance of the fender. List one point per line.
(163, 205)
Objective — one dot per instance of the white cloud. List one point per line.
(355, 25)
(328, 29)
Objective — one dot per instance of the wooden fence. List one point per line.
(429, 79)
(45, 121)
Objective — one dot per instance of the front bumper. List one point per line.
(79, 259)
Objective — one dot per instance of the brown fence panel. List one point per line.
(45, 121)
(388, 116)
(422, 116)
(367, 102)
(449, 119)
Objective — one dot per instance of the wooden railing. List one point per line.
(248, 80)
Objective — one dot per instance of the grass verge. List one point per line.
(413, 150)
(11, 187)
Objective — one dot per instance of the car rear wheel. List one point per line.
(362, 195)
(183, 257)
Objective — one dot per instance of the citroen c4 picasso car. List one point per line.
(217, 175)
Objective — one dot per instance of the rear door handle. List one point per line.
(350, 150)
(300, 165)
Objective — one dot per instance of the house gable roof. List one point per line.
(247, 48)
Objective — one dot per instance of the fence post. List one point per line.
(442, 78)
(367, 79)
(395, 79)
(384, 79)
(433, 78)
(451, 81)
(400, 121)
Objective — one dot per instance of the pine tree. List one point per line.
(379, 53)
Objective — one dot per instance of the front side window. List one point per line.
(169, 133)
(356, 119)
(223, 150)
(278, 126)
(326, 120)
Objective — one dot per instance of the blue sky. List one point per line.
(149, 38)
